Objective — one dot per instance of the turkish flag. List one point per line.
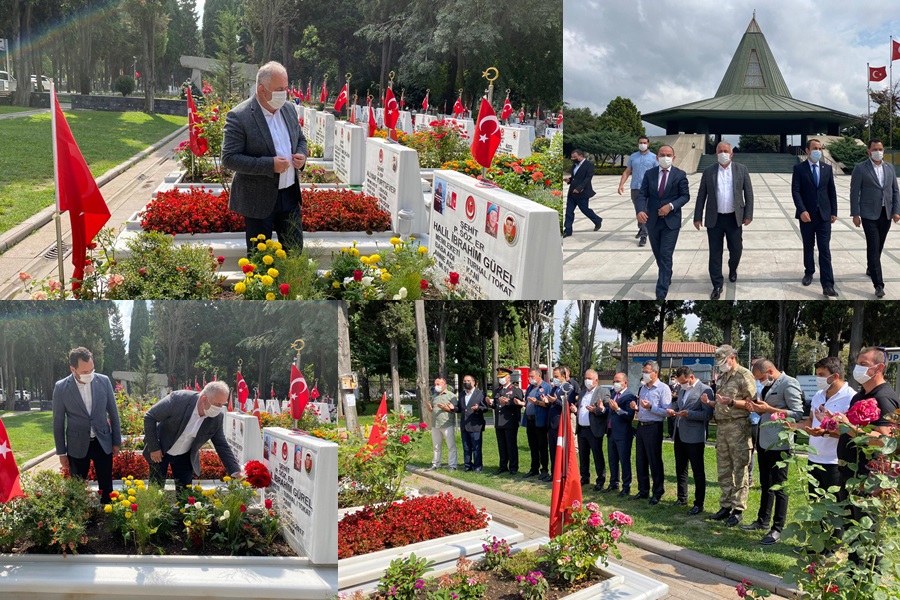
(9, 470)
(308, 91)
(425, 104)
(487, 135)
(391, 110)
(315, 392)
(324, 95)
(402, 99)
(299, 394)
(341, 99)
(566, 479)
(199, 145)
(197, 387)
(559, 119)
(272, 390)
(895, 50)
(256, 412)
(378, 435)
(522, 115)
(458, 107)
(373, 125)
(76, 190)
(507, 110)
(243, 392)
(877, 73)
(230, 402)
(353, 114)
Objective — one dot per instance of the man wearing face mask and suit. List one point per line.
(620, 432)
(86, 422)
(507, 403)
(812, 187)
(471, 407)
(560, 403)
(580, 192)
(264, 146)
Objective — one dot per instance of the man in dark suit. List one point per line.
(730, 207)
(86, 421)
(507, 403)
(176, 427)
(812, 187)
(691, 419)
(664, 192)
(264, 146)
(874, 201)
(580, 192)
(534, 420)
(620, 432)
(593, 407)
(560, 403)
(471, 408)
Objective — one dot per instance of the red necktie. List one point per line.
(662, 183)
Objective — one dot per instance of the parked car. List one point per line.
(45, 83)
(7, 82)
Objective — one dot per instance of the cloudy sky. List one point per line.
(663, 58)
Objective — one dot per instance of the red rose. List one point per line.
(191, 500)
(142, 271)
(412, 427)
(134, 508)
(220, 259)
(248, 268)
(243, 508)
(864, 412)
(423, 284)
(423, 426)
(285, 289)
(404, 439)
(269, 503)
(454, 278)
(91, 245)
(357, 275)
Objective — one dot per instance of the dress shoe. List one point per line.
(771, 538)
(513, 472)
(544, 474)
(829, 291)
(643, 242)
(868, 272)
(598, 487)
(757, 524)
(734, 519)
(640, 496)
(654, 501)
(546, 477)
(478, 469)
(611, 488)
(716, 294)
(879, 292)
(624, 493)
(732, 277)
(638, 234)
(467, 469)
(807, 280)
(431, 468)
(529, 474)
(723, 513)
(598, 225)
(565, 235)
(585, 481)
(679, 503)
(500, 471)
(695, 510)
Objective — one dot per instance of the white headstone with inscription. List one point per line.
(423, 122)
(404, 123)
(272, 406)
(392, 176)
(551, 132)
(514, 140)
(244, 437)
(465, 126)
(304, 486)
(379, 117)
(324, 134)
(503, 246)
(309, 124)
(349, 153)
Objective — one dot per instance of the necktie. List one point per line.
(816, 174)
(662, 183)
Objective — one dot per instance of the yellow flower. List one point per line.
(344, 250)
(277, 245)
(128, 514)
(280, 253)
(412, 237)
(364, 260)
(258, 276)
(253, 239)
(273, 273)
(107, 508)
(336, 285)
(327, 274)
(395, 241)
(245, 483)
(422, 250)
(374, 259)
(267, 280)
(261, 247)
(227, 478)
(240, 288)
(243, 261)
(132, 499)
(385, 277)
(261, 236)
(354, 252)
(131, 492)
(270, 296)
(268, 259)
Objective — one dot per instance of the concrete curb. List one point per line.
(13, 236)
(29, 464)
(691, 558)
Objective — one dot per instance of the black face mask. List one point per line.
(467, 385)
(576, 160)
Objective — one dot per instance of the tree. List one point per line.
(422, 392)
(767, 144)
(116, 358)
(143, 384)
(140, 328)
(227, 80)
(622, 115)
(152, 21)
(605, 145)
(849, 151)
(580, 120)
(264, 18)
(721, 315)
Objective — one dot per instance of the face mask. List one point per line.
(643, 147)
(214, 411)
(504, 380)
(618, 387)
(877, 155)
(664, 161)
(576, 160)
(861, 373)
(768, 382)
(533, 381)
(687, 386)
(822, 383)
(815, 155)
(589, 384)
(438, 389)
(646, 377)
(724, 368)
(672, 382)
(278, 99)
(86, 377)
(556, 381)
(724, 158)
(467, 385)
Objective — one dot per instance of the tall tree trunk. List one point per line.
(22, 57)
(344, 368)
(395, 374)
(727, 326)
(584, 346)
(495, 338)
(856, 335)
(484, 362)
(660, 334)
(85, 31)
(443, 317)
(422, 362)
(626, 337)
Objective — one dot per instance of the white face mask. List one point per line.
(724, 368)
(877, 155)
(278, 99)
(861, 373)
(643, 147)
(815, 156)
(438, 389)
(686, 386)
(618, 387)
(822, 383)
(589, 384)
(724, 158)
(664, 161)
(556, 381)
(214, 411)
(85, 377)
(533, 381)
(645, 377)
(503, 380)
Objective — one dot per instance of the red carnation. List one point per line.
(412, 427)
(454, 277)
(357, 275)
(404, 439)
(423, 426)
(285, 289)
(257, 474)
(269, 503)
(191, 500)
(220, 259)
(248, 268)
(423, 284)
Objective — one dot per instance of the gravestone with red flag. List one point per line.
(391, 110)
(487, 135)
(341, 99)
(378, 435)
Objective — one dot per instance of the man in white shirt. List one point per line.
(593, 410)
(176, 427)
(86, 421)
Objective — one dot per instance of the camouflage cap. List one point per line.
(723, 353)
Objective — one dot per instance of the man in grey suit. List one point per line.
(691, 419)
(874, 201)
(730, 207)
(176, 427)
(780, 396)
(264, 146)
(86, 421)
(593, 410)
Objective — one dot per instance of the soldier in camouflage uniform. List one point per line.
(736, 387)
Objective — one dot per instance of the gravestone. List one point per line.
(514, 140)
(158, 381)
(244, 437)
(324, 134)
(423, 122)
(379, 117)
(392, 176)
(349, 153)
(404, 123)
(551, 132)
(272, 406)
(327, 413)
(503, 246)
(309, 124)
(304, 486)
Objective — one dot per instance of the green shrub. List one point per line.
(540, 144)
(56, 511)
(521, 564)
(549, 198)
(400, 579)
(124, 84)
(848, 151)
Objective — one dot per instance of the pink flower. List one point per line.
(423, 426)
(595, 520)
(741, 590)
(592, 506)
(615, 534)
(24, 277)
(404, 439)
(576, 505)
(54, 285)
(115, 281)
(39, 295)
(778, 416)
(829, 425)
(412, 427)
(864, 412)
(89, 270)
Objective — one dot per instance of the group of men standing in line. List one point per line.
(632, 421)
(725, 204)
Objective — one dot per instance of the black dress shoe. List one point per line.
(500, 471)
(807, 280)
(585, 481)
(879, 292)
(478, 469)
(467, 468)
(679, 503)
(734, 519)
(513, 472)
(829, 291)
(640, 496)
(716, 294)
(638, 234)
(624, 493)
(643, 242)
(695, 510)
(654, 501)
(757, 524)
(611, 488)
(732, 277)
(723, 513)
(546, 477)
(598, 487)
(598, 225)
(771, 538)
(529, 474)
(565, 235)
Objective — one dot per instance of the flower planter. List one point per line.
(88, 577)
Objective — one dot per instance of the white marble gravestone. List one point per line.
(324, 134)
(392, 176)
(349, 153)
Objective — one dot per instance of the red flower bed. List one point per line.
(198, 211)
(133, 463)
(407, 522)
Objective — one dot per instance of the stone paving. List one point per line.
(609, 264)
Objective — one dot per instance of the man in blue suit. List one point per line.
(534, 420)
(620, 432)
(812, 187)
(664, 192)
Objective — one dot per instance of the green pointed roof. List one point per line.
(753, 70)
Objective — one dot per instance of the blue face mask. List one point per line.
(815, 155)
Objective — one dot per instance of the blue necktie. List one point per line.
(816, 174)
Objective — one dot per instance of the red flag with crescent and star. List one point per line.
(487, 135)
(522, 115)
(256, 413)
(373, 125)
(458, 107)
(895, 50)
(559, 119)
(425, 103)
(507, 110)
(315, 392)
(323, 96)
(299, 394)
(877, 73)
(308, 91)
(231, 402)
(199, 145)
(243, 392)
(402, 98)
(378, 435)
(391, 110)
(566, 489)
(353, 114)
(341, 99)
(9, 470)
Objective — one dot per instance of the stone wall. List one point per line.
(114, 103)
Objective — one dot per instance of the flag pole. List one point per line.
(347, 84)
(869, 100)
(58, 215)
(392, 132)
(891, 97)
(491, 78)
(298, 345)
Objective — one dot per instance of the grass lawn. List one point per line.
(105, 138)
(5, 110)
(30, 435)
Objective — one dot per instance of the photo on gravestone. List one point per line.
(204, 433)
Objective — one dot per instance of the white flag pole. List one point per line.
(57, 217)
(869, 100)
(891, 98)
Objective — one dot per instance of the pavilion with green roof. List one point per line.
(752, 99)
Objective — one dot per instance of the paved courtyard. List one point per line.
(609, 264)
